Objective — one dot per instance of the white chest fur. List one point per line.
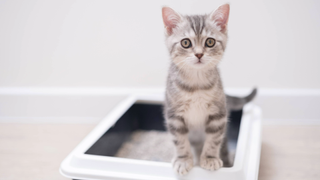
(197, 107)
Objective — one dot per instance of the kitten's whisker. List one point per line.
(180, 68)
(183, 61)
(211, 62)
(179, 63)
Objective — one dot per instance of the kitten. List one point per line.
(195, 106)
(237, 103)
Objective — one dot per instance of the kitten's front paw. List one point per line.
(211, 163)
(182, 165)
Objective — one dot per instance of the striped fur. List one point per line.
(195, 105)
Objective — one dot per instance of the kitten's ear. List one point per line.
(220, 17)
(170, 19)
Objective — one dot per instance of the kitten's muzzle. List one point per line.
(199, 56)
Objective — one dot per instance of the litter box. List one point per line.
(105, 153)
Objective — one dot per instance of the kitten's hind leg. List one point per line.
(183, 160)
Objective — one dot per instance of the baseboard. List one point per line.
(89, 105)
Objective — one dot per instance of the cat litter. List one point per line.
(131, 143)
(148, 145)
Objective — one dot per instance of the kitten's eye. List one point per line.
(186, 43)
(210, 42)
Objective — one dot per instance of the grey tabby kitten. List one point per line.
(195, 106)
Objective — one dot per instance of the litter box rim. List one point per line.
(78, 165)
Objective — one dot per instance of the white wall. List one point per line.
(272, 44)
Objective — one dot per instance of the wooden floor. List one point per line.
(290, 152)
(35, 151)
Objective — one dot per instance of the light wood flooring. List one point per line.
(35, 151)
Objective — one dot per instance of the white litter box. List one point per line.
(94, 158)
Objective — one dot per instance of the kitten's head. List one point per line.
(196, 42)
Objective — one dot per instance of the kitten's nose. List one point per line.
(199, 55)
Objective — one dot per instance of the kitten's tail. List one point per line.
(237, 103)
